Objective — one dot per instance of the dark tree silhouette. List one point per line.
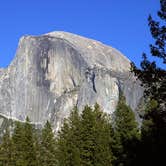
(152, 76)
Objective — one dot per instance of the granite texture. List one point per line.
(53, 72)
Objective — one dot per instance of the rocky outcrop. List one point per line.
(53, 72)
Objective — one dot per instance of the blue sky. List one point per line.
(121, 24)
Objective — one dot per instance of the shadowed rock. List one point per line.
(53, 72)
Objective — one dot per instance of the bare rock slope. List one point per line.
(53, 72)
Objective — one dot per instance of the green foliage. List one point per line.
(152, 104)
(18, 143)
(47, 146)
(85, 139)
(68, 141)
(28, 144)
(125, 123)
(126, 134)
(37, 148)
(23, 142)
(153, 136)
(95, 137)
(6, 150)
(152, 76)
(27, 147)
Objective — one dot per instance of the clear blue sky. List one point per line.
(121, 24)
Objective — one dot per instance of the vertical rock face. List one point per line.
(53, 72)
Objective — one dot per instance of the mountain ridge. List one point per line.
(53, 72)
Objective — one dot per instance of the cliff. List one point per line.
(53, 72)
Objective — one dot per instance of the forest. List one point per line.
(92, 138)
(89, 138)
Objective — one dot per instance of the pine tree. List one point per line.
(18, 144)
(28, 144)
(47, 147)
(103, 138)
(153, 136)
(23, 143)
(68, 141)
(95, 138)
(37, 146)
(63, 146)
(126, 134)
(153, 77)
(6, 150)
(85, 139)
(74, 137)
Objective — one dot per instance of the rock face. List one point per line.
(53, 72)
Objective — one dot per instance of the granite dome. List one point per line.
(53, 72)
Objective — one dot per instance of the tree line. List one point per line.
(90, 138)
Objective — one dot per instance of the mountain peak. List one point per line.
(53, 72)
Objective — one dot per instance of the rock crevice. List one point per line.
(53, 72)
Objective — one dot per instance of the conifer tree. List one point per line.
(63, 146)
(68, 141)
(6, 150)
(23, 143)
(37, 146)
(18, 144)
(47, 147)
(126, 134)
(95, 138)
(85, 139)
(103, 138)
(74, 138)
(28, 144)
(153, 136)
(153, 78)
